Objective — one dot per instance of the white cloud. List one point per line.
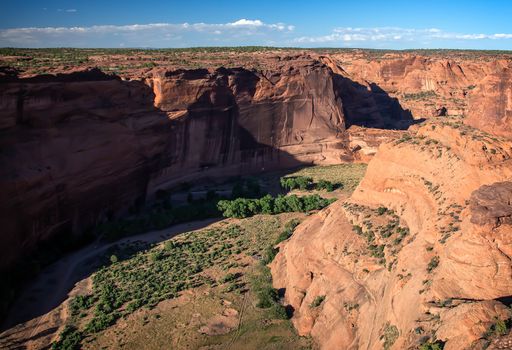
(393, 34)
(66, 10)
(247, 22)
(241, 32)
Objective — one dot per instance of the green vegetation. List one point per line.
(305, 183)
(345, 177)
(498, 328)
(288, 230)
(420, 95)
(266, 295)
(382, 210)
(390, 335)
(437, 345)
(296, 182)
(432, 265)
(242, 208)
(70, 339)
(381, 229)
(79, 303)
(143, 279)
(160, 216)
(317, 301)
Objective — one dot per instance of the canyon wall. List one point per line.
(82, 147)
(79, 148)
(420, 253)
(472, 84)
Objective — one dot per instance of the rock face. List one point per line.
(492, 205)
(428, 86)
(490, 106)
(431, 263)
(78, 148)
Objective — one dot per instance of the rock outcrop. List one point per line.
(81, 147)
(421, 252)
(472, 85)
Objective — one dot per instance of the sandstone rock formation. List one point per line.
(420, 253)
(80, 147)
(474, 85)
(433, 265)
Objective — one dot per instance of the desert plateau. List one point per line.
(298, 193)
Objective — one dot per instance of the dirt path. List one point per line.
(30, 315)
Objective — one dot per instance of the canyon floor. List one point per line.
(219, 308)
(394, 233)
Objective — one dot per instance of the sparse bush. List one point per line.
(229, 278)
(80, 302)
(390, 335)
(382, 210)
(288, 231)
(434, 262)
(317, 301)
(325, 185)
(269, 255)
(296, 182)
(69, 339)
(437, 345)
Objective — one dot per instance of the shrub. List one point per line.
(242, 207)
(101, 321)
(325, 185)
(229, 278)
(278, 311)
(269, 255)
(390, 335)
(434, 262)
(498, 328)
(382, 210)
(69, 339)
(113, 259)
(317, 301)
(293, 182)
(80, 302)
(437, 345)
(267, 296)
(288, 231)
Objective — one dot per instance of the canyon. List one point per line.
(419, 254)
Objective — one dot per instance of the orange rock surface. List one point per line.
(442, 280)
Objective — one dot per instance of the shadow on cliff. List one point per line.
(371, 106)
(223, 147)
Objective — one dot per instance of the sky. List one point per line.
(392, 24)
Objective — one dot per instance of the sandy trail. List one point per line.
(33, 313)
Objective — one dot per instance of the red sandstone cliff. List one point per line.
(433, 268)
(80, 147)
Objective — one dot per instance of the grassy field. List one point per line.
(178, 288)
(349, 175)
(208, 289)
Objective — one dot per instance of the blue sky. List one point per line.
(371, 24)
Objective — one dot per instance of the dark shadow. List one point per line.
(290, 310)
(507, 300)
(372, 106)
(138, 150)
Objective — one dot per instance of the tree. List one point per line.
(267, 204)
(294, 203)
